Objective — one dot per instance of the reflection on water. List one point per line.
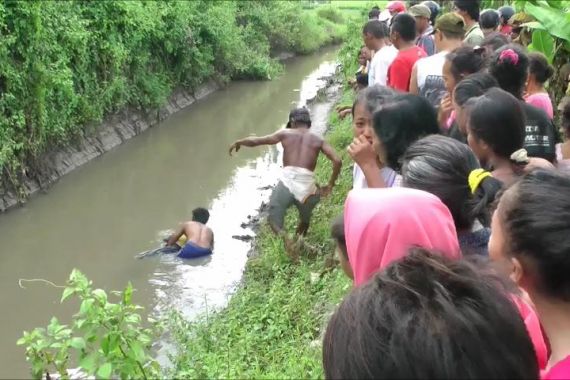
(100, 216)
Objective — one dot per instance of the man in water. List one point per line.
(297, 186)
(199, 237)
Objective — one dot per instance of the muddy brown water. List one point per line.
(100, 216)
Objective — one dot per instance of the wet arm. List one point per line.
(336, 162)
(173, 239)
(254, 141)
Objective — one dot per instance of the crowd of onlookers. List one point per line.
(457, 230)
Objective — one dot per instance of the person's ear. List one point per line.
(517, 275)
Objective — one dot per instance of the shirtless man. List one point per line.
(199, 238)
(297, 185)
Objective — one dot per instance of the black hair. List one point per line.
(401, 122)
(411, 3)
(498, 119)
(472, 86)
(434, 9)
(376, 28)
(376, 7)
(506, 13)
(373, 97)
(427, 316)
(489, 19)
(539, 67)
(337, 233)
(466, 60)
(362, 79)
(441, 165)
(495, 40)
(405, 25)
(200, 215)
(373, 14)
(470, 6)
(511, 75)
(536, 215)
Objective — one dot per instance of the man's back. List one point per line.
(199, 234)
(301, 148)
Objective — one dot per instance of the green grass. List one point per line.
(273, 325)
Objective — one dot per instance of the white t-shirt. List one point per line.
(430, 77)
(391, 178)
(378, 71)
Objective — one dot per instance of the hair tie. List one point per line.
(476, 177)
(520, 157)
(509, 55)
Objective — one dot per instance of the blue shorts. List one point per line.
(192, 251)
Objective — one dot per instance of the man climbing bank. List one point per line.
(297, 185)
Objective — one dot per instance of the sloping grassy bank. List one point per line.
(273, 324)
(67, 65)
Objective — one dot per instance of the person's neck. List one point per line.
(406, 45)
(534, 88)
(450, 45)
(469, 23)
(555, 318)
(502, 169)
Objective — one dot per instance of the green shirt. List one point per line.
(474, 36)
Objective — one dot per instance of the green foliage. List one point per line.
(273, 325)
(67, 64)
(107, 337)
(331, 14)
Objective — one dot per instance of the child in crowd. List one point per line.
(368, 171)
(472, 86)
(297, 186)
(199, 237)
(382, 224)
(531, 240)
(510, 65)
(375, 36)
(427, 316)
(496, 133)
(505, 13)
(458, 64)
(403, 36)
(563, 149)
(449, 169)
(540, 72)
(398, 124)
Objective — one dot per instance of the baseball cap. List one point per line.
(420, 10)
(396, 6)
(450, 22)
(301, 115)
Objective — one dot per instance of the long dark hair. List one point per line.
(441, 166)
(498, 119)
(536, 217)
(427, 316)
(510, 70)
(401, 122)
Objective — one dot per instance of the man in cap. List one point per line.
(297, 185)
(427, 75)
(396, 7)
(425, 38)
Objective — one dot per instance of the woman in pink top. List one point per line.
(382, 224)
(531, 241)
(539, 73)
